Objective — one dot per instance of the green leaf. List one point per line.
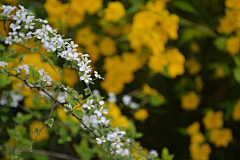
(70, 98)
(236, 74)
(34, 73)
(155, 102)
(78, 113)
(165, 154)
(237, 60)
(87, 91)
(50, 122)
(185, 6)
(30, 148)
(220, 43)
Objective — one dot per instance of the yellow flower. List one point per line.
(190, 101)
(232, 4)
(70, 76)
(141, 114)
(157, 62)
(120, 121)
(199, 83)
(221, 137)
(113, 110)
(194, 47)
(62, 116)
(213, 120)
(219, 72)
(197, 138)
(44, 135)
(193, 66)
(193, 128)
(200, 152)
(236, 111)
(176, 62)
(150, 91)
(233, 45)
(86, 37)
(107, 46)
(114, 12)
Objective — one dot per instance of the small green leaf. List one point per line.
(185, 6)
(30, 148)
(87, 91)
(50, 122)
(236, 74)
(34, 73)
(155, 102)
(220, 43)
(78, 113)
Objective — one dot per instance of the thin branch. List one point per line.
(38, 131)
(201, 28)
(52, 154)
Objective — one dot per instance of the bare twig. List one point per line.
(39, 130)
(52, 154)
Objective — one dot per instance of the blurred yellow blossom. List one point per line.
(192, 66)
(70, 76)
(199, 83)
(219, 72)
(176, 62)
(213, 120)
(197, 138)
(151, 91)
(200, 152)
(233, 45)
(193, 128)
(44, 135)
(114, 12)
(236, 111)
(221, 137)
(157, 62)
(118, 119)
(120, 70)
(141, 114)
(190, 101)
(107, 46)
(194, 47)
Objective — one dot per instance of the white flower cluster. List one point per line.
(3, 64)
(44, 77)
(51, 41)
(15, 99)
(127, 100)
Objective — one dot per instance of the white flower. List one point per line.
(134, 105)
(41, 71)
(89, 104)
(117, 144)
(98, 75)
(153, 152)
(101, 140)
(112, 97)
(86, 78)
(126, 99)
(123, 152)
(3, 64)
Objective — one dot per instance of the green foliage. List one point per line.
(165, 154)
(34, 73)
(83, 150)
(78, 113)
(49, 122)
(184, 6)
